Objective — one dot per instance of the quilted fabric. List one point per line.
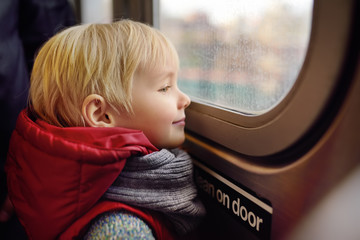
(56, 175)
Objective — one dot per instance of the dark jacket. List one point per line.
(24, 26)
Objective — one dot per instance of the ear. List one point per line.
(97, 112)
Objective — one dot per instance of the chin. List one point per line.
(172, 144)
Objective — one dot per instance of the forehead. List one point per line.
(160, 73)
(162, 62)
(162, 54)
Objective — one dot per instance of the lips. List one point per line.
(180, 122)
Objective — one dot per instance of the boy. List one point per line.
(91, 147)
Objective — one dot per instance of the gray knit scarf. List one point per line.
(161, 181)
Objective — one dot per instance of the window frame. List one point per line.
(287, 123)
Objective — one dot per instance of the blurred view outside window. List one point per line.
(239, 54)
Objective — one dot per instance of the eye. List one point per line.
(164, 89)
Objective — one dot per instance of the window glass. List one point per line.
(238, 54)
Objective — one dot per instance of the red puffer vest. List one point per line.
(56, 176)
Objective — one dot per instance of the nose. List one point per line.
(184, 100)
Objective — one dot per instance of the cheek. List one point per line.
(153, 120)
(160, 126)
(155, 116)
(164, 111)
(161, 121)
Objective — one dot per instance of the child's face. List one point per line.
(158, 107)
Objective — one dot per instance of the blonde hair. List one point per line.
(93, 59)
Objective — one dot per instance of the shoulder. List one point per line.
(119, 224)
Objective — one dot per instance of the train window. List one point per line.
(241, 55)
(260, 73)
(240, 63)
